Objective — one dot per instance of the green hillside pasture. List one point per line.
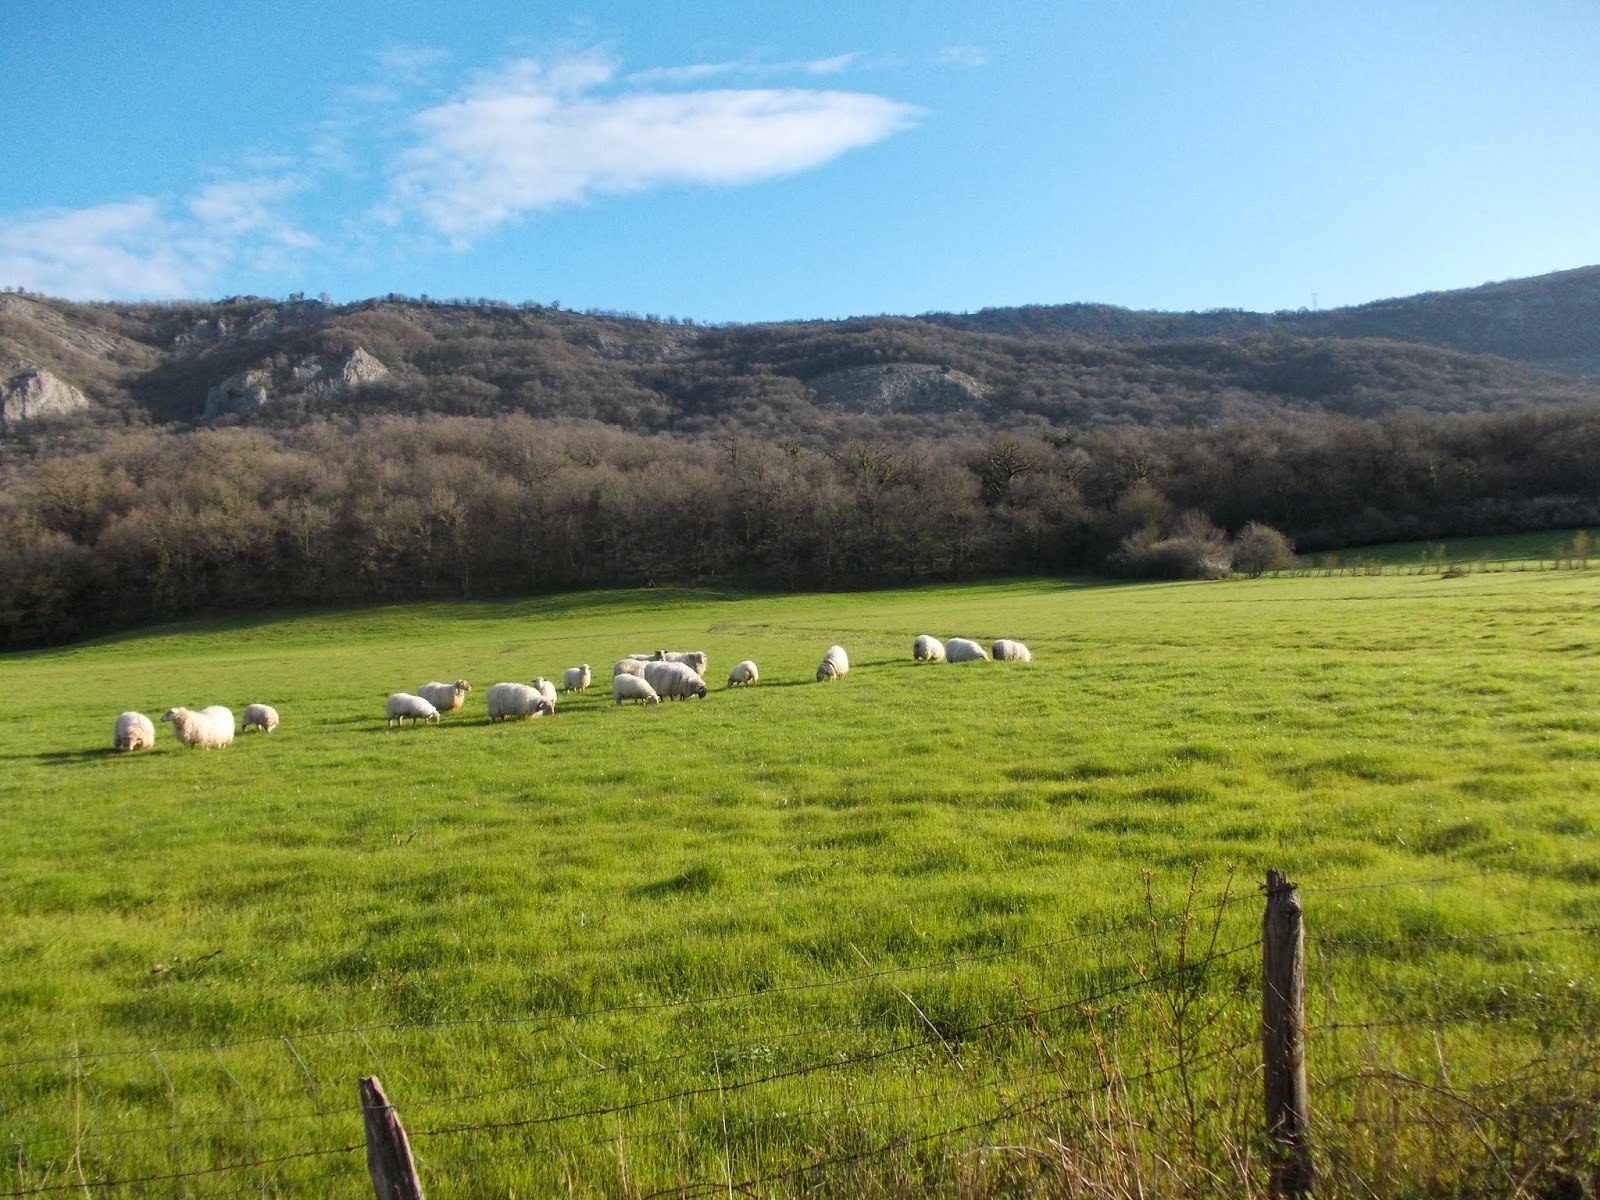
(1544, 550)
(882, 922)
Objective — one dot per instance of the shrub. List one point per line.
(1260, 548)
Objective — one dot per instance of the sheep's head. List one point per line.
(652, 699)
(433, 718)
(700, 690)
(463, 686)
(544, 706)
(175, 714)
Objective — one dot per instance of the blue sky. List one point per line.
(752, 161)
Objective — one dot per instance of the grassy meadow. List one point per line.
(891, 934)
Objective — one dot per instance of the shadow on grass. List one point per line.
(694, 881)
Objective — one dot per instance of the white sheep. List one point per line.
(927, 649)
(674, 681)
(631, 665)
(263, 716)
(695, 660)
(546, 689)
(446, 697)
(656, 656)
(209, 729)
(633, 687)
(1005, 650)
(507, 700)
(835, 664)
(960, 650)
(576, 679)
(403, 704)
(133, 731)
(743, 674)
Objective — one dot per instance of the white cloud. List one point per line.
(964, 56)
(145, 247)
(530, 138)
(695, 72)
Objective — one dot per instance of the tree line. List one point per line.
(150, 525)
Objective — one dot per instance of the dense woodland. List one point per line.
(520, 449)
(156, 525)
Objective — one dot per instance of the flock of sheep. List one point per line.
(644, 678)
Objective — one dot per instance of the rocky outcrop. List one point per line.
(899, 388)
(36, 394)
(244, 393)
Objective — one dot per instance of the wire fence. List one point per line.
(916, 1064)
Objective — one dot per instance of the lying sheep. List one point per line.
(403, 704)
(446, 697)
(1005, 650)
(743, 674)
(264, 716)
(959, 650)
(657, 656)
(927, 649)
(674, 681)
(576, 679)
(209, 729)
(520, 700)
(546, 689)
(835, 664)
(133, 731)
(633, 687)
(629, 666)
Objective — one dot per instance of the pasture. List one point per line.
(721, 942)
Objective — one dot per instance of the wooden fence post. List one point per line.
(394, 1174)
(1283, 1038)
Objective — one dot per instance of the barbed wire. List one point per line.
(1442, 938)
(1011, 1112)
(1523, 869)
(218, 1169)
(939, 1038)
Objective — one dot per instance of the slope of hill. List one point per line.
(252, 360)
(1550, 321)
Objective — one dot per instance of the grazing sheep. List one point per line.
(446, 697)
(633, 687)
(629, 666)
(695, 660)
(576, 678)
(546, 689)
(262, 715)
(959, 650)
(507, 700)
(744, 673)
(835, 664)
(403, 704)
(209, 729)
(674, 681)
(133, 731)
(1005, 650)
(927, 649)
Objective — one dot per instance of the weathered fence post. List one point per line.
(1283, 1038)
(394, 1174)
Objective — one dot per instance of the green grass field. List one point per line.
(620, 912)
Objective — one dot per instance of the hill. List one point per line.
(1550, 321)
(257, 361)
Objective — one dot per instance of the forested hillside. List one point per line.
(164, 460)
(1552, 321)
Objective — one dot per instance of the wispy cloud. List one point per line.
(964, 56)
(534, 138)
(145, 247)
(747, 67)
(527, 137)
